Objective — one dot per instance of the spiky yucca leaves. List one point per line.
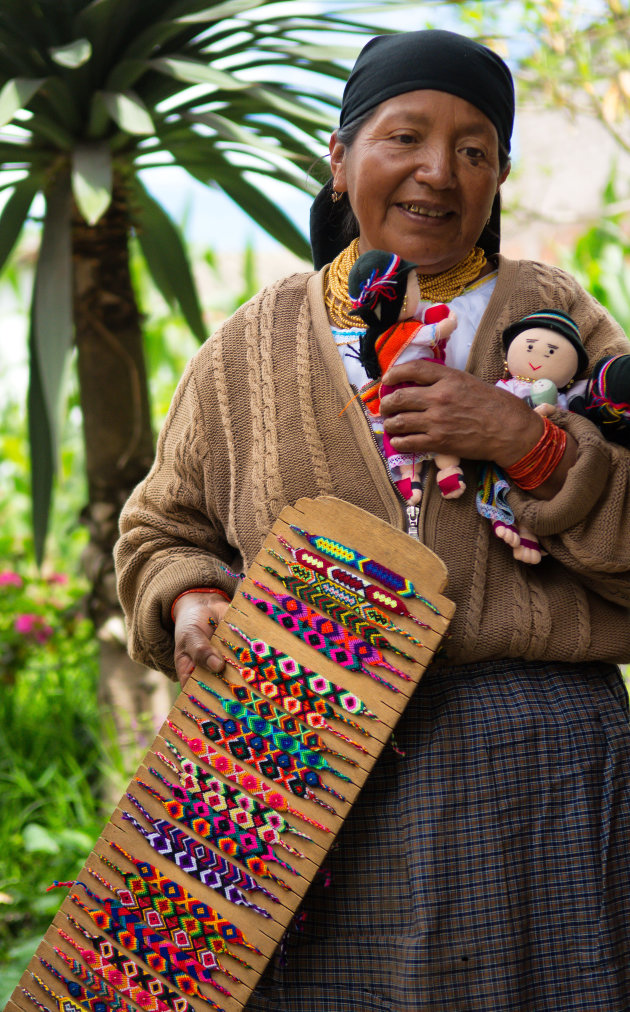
(92, 91)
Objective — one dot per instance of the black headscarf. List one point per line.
(390, 65)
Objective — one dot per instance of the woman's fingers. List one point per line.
(196, 618)
(450, 411)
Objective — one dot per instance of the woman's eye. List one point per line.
(405, 138)
(476, 154)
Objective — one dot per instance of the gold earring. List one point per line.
(335, 196)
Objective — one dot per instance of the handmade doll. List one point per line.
(543, 354)
(606, 400)
(385, 293)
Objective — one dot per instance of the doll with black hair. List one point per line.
(385, 294)
(606, 399)
(543, 355)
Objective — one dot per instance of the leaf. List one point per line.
(129, 112)
(166, 258)
(14, 214)
(38, 840)
(218, 13)
(72, 55)
(92, 180)
(16, 94)
(193, 72)
(51, 332)
(260, 208)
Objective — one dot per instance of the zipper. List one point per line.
(413, 521)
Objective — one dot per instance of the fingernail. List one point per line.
(215, 663)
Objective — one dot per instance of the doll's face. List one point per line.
(539, 353)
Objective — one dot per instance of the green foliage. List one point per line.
(571, 54)
(50, 759)
(600, 260)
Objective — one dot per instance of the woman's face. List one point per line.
(421, 176)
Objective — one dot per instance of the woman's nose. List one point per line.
(434, 165)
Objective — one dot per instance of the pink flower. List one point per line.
(10, 579)
(33, 625)
(57, 578)
(25, 623)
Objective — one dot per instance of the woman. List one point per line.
(488, 867)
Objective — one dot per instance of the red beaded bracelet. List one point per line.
(537, 466)
(200, 590)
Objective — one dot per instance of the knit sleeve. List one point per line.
(171, 536)
(585, 526)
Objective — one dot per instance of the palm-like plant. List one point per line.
(92, 92)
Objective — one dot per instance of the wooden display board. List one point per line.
(372, 537)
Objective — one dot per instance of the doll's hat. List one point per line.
(375, 276)
(549, 319)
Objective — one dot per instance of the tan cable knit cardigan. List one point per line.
(254, 425)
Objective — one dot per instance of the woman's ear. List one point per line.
(338, 163)
(503, 176)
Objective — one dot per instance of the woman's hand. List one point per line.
(453, 412)
(196, 617)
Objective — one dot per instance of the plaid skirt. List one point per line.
(488, 868)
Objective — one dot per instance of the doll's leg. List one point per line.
(409, 484)
(529, 549)
(507, 532)
(450, 477)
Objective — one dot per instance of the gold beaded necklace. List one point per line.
(433, 287)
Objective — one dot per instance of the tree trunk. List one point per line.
(118, 449)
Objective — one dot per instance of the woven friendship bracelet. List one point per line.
(219, 829)
(86, 998)
(314, 638)
(342, 593)
(164, 914)
(263, 764)
(310, 592)
(199, 861)
(393, 581)
(333, 633)
(309, 690)
(109, 980)
(248, 721)
(63, 1004)
(105, 990)
(243, 820)
(286, 721)
(322, 634)
(158, 952)
(123, 972)
(245, 778)
(38, 1004)
(214, 924)
(370, 591)
(221, 797)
